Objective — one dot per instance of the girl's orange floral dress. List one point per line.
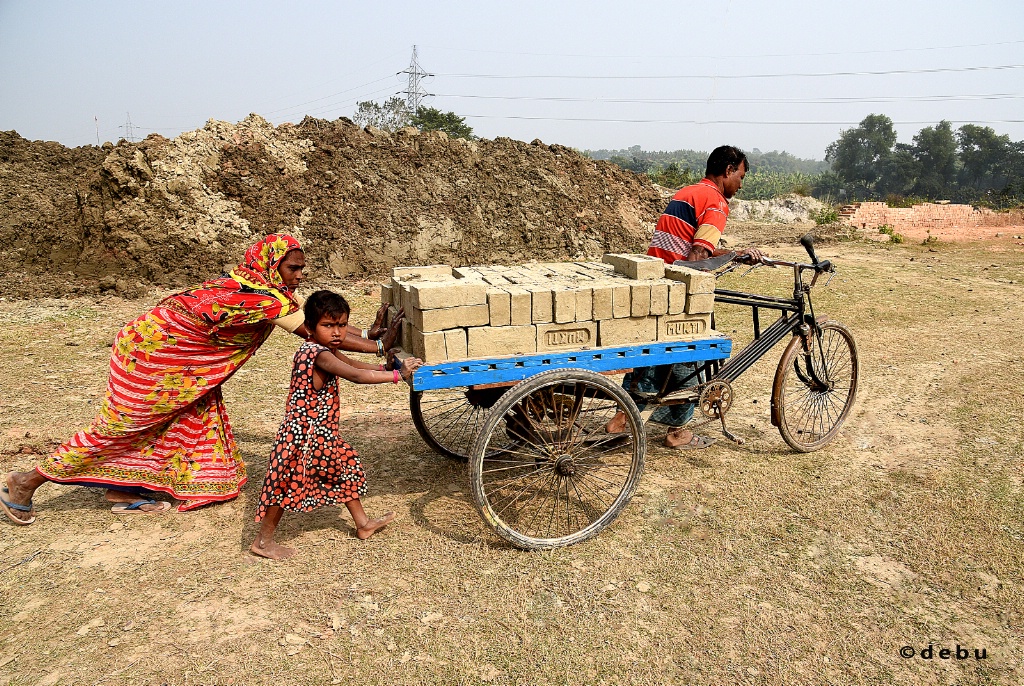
(163, 425)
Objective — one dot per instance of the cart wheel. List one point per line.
(814, 390)
(544, 472)
(447, 418)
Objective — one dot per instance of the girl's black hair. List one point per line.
(324, 303)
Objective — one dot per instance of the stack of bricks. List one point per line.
(495, 311)
(922, 217)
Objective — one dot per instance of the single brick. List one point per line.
(522, 305)
(426, 273)
(697, 282)
(602, 307)
(621, 301)
(584, 304)
(542, 304)
(450, 318)
(637, 266)
(640, 295)
(676, 297)
(564, 304)
(466, 272)
(573, 336)
(700, 303)
(429, 347)
(679, 327)
(385, 293)
(455, 344)
(486, 341)
(659, 298)
(407, 328)
(434, 295)
(499, 306)
(627, 331)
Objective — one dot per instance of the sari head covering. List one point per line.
(260, 262)
(163, 425)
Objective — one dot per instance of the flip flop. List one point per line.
(696, 443)
(10, 508)
(136, 507)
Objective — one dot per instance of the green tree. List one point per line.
(390, 116)
(984, 157)
(433, 119)
(674, 176)
(857, 155)
(898, 173)
(935, 150)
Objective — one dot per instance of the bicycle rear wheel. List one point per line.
(814, 389)
(544, 471)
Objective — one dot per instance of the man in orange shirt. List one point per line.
(689, 230)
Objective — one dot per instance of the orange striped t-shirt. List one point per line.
(695, 216)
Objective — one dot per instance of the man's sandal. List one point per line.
(10, 508)
(696, 443)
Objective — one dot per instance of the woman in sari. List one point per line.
(162, 426)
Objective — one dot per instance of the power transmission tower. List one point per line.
(414, 92)
(129, 130)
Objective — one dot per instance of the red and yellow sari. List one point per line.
(163, 424)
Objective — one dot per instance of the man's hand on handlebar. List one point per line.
(750, 256)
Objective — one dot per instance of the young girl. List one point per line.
(310, 465)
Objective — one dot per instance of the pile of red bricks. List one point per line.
(938, 218)
(494, 310)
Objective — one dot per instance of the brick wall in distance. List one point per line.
(942, 220)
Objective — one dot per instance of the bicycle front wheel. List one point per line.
(814, 389)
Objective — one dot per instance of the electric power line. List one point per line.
(711, 100)
(607, 77)
(762, 56)
(704, 122)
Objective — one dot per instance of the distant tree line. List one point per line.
(771, 173)
(971, 164)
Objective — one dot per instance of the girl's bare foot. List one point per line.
(270, 550)
(372, 526)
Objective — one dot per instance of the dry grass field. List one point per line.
(735, 565)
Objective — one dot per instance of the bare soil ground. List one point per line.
(739, 564)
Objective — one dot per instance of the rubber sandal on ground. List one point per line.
(136, 507)
(696, 443)
(10, 508)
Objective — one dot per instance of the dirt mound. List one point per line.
(788, 209)
(171, 212)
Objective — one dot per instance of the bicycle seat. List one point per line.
(708, 265)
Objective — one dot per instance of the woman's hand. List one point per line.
(410, 365)
(394, 328)
(378, 329)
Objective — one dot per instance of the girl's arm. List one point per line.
(336, 365)
(356, 363)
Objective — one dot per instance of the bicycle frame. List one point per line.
(796, 317)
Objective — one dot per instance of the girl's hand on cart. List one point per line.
(408, 366)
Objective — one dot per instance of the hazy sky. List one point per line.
(774, 75)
